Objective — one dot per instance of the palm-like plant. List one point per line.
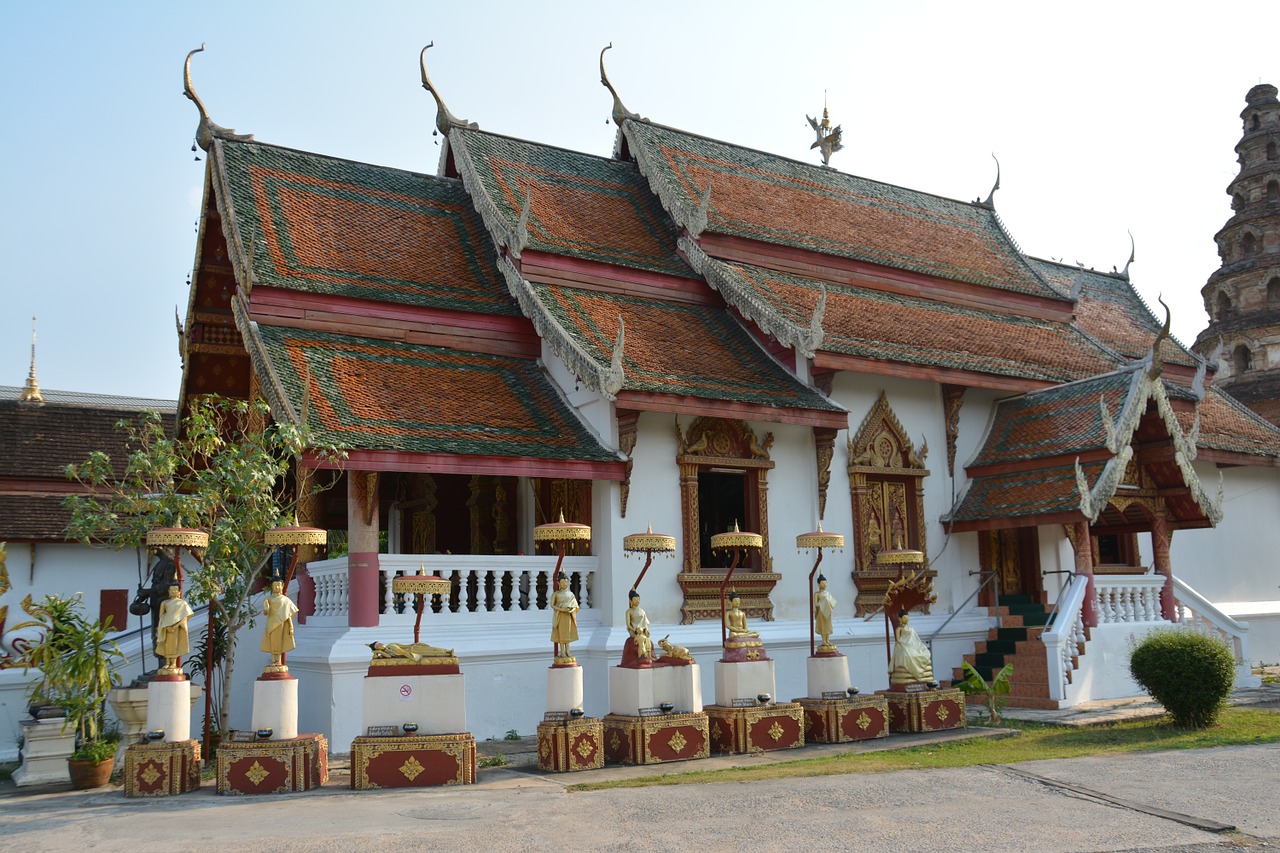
(993, 691)
(75, 658)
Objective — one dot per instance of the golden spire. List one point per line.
(31, 390)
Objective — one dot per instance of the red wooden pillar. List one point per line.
(1160, 538)
(1083, 542)
(362, 549)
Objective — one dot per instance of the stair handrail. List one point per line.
(1059, 634)
(1205, 614)
(991, 576)
(1053, 611)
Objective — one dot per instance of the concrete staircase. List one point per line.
(1018, 642)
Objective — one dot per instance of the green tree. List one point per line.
(230, 472)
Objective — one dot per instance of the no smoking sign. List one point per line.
(406, 692)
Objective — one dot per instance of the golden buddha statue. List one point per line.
(564, 620)
(412, 652)
(638, 627)
(911, 662)
(735, 622)
(172, 640)
(824, 608)
(277, 635)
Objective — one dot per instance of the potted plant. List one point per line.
(76, 659)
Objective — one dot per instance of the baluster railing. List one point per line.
(1128, 598)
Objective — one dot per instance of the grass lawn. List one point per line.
(1032, 742)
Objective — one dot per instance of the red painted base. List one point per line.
(273, 766)
(412, 761)
(570, 745)
(655, 740)
(845, 720)
(757, 729)
(925, 711)
(161, 769)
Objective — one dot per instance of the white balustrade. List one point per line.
(1063, 638)
(1128, 598)
(481, 584)
(1198, 613)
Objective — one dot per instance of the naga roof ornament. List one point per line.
(619, 111)
(1133, 252)
(1157, 363)
(208, 129)
(445, 120)
(990, 203)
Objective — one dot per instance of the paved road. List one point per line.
(987, 808)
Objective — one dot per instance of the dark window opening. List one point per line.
(722, 501)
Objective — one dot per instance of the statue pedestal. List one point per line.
(130, 705)
(413, 761)
(743, 680)
(272, 766)
(756, 729)
(564, 688)
(656, 739)
(828, 674)
(924, 710)
(845, 720)
(633, 689)
(567, 745)
(275, 706)
(163, 768)
(169, 708)
(45, 750)
(436, 703)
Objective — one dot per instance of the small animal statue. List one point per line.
(670, 650)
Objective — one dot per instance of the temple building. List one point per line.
(687, 334)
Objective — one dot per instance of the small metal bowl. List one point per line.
(852, 691)
(409, 728)
(763, 698)
(264, 734)
(666, 707)
(155, 734)
(576, 712)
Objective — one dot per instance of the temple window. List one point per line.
(1249, 244)
(1224, 305)
(1273, 192)
(1237, 202)
(457, 514)
(1271, 151)
(886, 484)
(1273, 291)
(1254, 122)
(1241, 359)
(724, 471)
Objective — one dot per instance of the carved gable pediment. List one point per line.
(882, 444)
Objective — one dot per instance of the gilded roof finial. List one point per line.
(828, 139)
(31, 390)
(619, 111)
(207, 129)
(445, 120)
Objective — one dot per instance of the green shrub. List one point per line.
(1190, 674)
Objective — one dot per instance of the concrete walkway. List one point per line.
(1176, 801)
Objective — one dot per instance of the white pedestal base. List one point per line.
(827, 675)
(45, 750)
(745, 680)
(564, 688)
(275, 707)
(437, 703)
(632, 689)
(169, 709)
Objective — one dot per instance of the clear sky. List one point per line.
(1106, 117)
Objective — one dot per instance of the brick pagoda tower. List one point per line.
(1243, 296)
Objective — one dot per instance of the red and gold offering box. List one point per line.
(413, 761)
(925, 710)
(757, 728)
(161, 769)
(845, 720)
(273, 766)
(655, 739)
(565, 745)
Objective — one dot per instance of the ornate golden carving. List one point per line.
(677, 742)
(615, 742)
(943, 713)
(585, 747)
(256, 773)
(412, 768)
(952, 398)
(627, 435)
(863, 721)
(151, 774)
(775, 731)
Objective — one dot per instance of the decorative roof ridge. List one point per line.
(720, 276)
(813, 167)
(277, 399)
(1004, 232)
(207, 130)
(240, 259)
(550, 146)
(606, 381)
(1258, 419)
(507, 238)
(673, 200)
(620, 112)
